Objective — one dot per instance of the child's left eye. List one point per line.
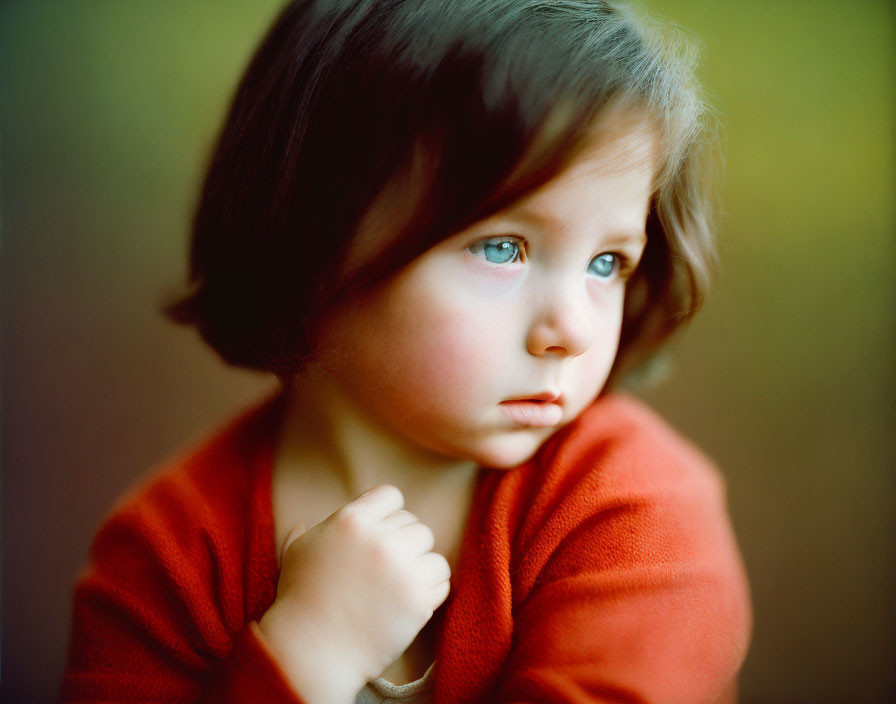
(605, 265)
(497, 250)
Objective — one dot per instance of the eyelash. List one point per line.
(622, 264)
(479, 247)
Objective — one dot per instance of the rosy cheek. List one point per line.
(458, 352)
(464, 341)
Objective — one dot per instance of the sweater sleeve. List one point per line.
(158, 613)
(633, 593)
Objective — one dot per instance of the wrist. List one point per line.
(320, 671)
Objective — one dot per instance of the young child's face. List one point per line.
(523, 305)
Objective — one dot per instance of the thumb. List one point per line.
(298, 530)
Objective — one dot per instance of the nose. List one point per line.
(564, 326)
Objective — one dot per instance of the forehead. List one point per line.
(622, 141)
(606, 185)
(622, 144)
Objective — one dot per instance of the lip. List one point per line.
(550, 396)
(541, 410)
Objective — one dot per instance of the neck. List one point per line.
(323, 428)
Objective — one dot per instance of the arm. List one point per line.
(643, 601)
(159, 615)
(147, 625)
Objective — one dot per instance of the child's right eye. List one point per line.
(497, 250)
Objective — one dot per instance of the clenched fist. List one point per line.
(353, 593)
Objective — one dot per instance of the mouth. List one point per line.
(542, 396)
(541, 410)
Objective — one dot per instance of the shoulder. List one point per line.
(179, 567)
(628, 531)
(623, 492)
(179, 543)
(205, 484)
(624, 451)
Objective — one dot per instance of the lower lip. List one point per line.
(533, 413)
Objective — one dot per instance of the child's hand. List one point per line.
(353, 593)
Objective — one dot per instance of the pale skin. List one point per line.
(408, 396)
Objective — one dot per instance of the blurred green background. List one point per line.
(109, 109)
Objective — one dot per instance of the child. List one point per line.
(448, 228)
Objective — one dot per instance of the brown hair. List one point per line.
(344, 95)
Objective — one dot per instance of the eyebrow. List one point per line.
(622, 238)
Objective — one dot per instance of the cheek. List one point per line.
(445, 349)
(588, 373)
(607, 302)
(421, 352)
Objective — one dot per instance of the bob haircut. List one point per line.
(481, 102)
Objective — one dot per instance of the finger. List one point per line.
(378, 502)
(434, 569)
(416, 537)
(440, 593)
(295, 533)
(398, 519)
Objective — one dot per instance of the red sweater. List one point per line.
(603, 570)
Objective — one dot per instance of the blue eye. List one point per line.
(604, 265)
(497, 251)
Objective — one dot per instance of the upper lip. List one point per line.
(550, 396)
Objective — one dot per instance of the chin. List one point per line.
(508, 452)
